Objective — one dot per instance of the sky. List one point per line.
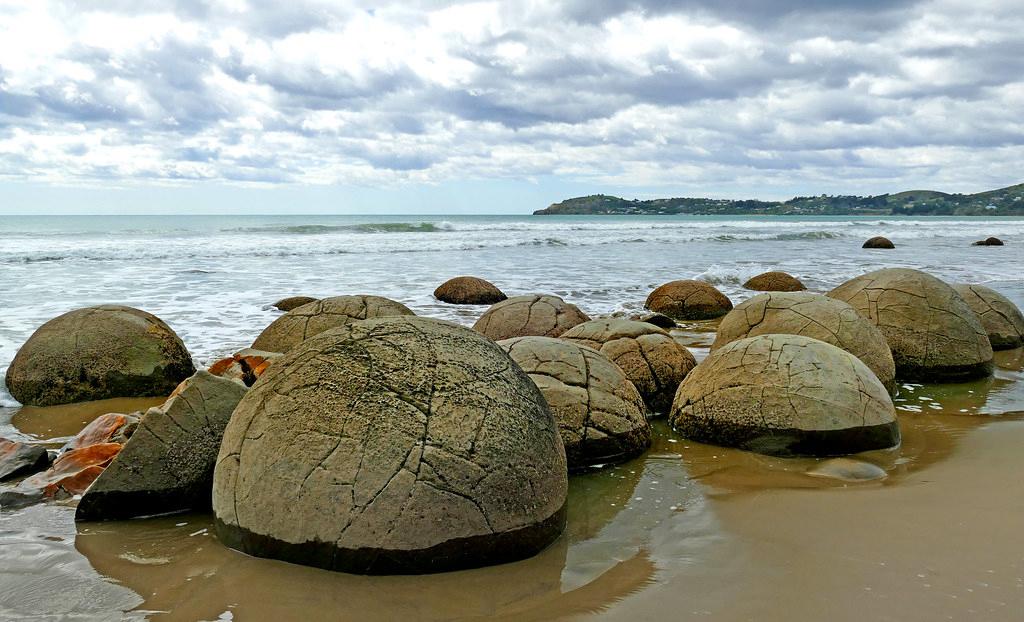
(158, 106)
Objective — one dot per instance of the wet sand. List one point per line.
(688, 531)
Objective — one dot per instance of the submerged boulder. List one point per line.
(19, 459)
(652, 360)
(392, 445)
(933, 334)
(774, 282)
(292, 328)
(469, 290)
(533, 315)
(811, 315)
(785, 395)
(879, 242)
(688, 300)
(97, 353)
(1000, 318)
(988, 242)
(167, 464)
(599, 412)
(293, 302)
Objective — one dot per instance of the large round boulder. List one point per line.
(785, 395)
(811, 315)
(688, 300)
(1000, 318)
(392, 445)
(533, 315)
(315, 317)
(879, 242)
(97, 353)
(469, 290)
(774, 282)
(933, 334)
(599, 412)
(652, 360)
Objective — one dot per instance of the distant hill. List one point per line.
(1003, 202)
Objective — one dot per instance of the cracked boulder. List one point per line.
(600, 413)
(20, 459)
(688, 300)
(98, 353)
(392, 445)
(785, 395)
(774, 282)
(934, 335)
(301, 323)
(167, 464)
(652, 360)
(245, 365)
(533, 315)
(469, 290)
(1000, 318)
(292, 302)
(811, 315)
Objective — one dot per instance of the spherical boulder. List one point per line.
(313, 318)
(293, 302)
(785, 395)
(811, 315)
(599, 412)
(533, 315)
(879, 242)
(469, 290)
(688, 300)
(988, 242)
(1000, 318)
(774, 282)
(652, 360)
(392, 445)
(933, 334)
(98, 353)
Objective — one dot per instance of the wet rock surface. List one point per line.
(167, 464)
(600, 413)
(107, 428)
(20, 459)
(301, 323)
(774, 282)
(469, 290)
(933, 333)
(533, 315)
(785, 395)
(1000, 318)
(97, 353)
(879, 242)
(406, 445)
(688, 300)
(811, 315)
(293, 302)
(651, 359)
(70, 474)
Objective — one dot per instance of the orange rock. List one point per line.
(72, 472)
(108, 428)
(247, 366)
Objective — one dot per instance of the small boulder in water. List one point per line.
(469, 290)
(774, 282)
(988, 242)
(293, 302)
(848, 470)
(529, 316)
(688, 300)
(19, 459)
(879, 242)
(658, 319)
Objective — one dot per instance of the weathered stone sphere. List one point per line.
(785, 395)
(1000, 318)
(293, 302)
(469, 290)
(652, 360)
(879, 242)
(599, 412)
(313, 318)
(97, 353)
(392, 445)
(774, 282)
(688, 300)
(534, 315)
(988, 242)
(811, 315)
(933, 334)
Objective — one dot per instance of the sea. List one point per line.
(214, 278)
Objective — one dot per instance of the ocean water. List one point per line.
(213, 278)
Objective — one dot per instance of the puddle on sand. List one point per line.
(57, 424)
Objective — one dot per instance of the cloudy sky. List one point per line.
(429, 106)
